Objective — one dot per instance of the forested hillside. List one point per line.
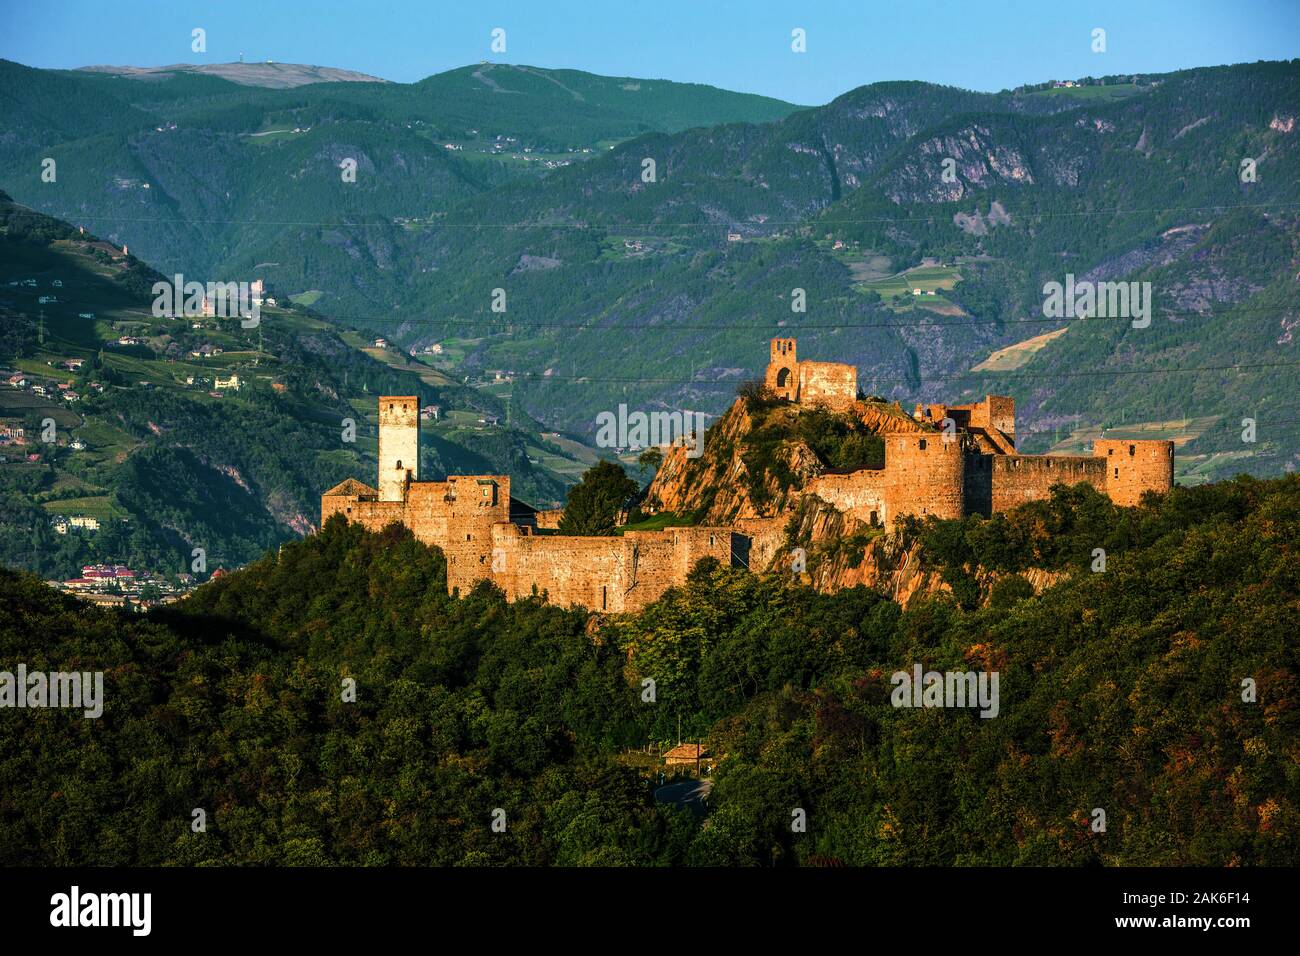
(145, 443)
(203, 175)
(1120, 690)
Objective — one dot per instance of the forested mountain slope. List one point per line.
(1120, 690)
(145, 442)
(915, 225)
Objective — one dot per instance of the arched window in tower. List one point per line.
(782, 378)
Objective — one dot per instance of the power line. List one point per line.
(759, 323)
(732, 382)
(525, 224)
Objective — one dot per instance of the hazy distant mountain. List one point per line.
(269, 74)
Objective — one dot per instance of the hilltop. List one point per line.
(761, 453)
(271, 75)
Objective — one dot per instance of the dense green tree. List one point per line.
(595, 502)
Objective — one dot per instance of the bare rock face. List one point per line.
(718, 486)
(793, 522)
(843, 552)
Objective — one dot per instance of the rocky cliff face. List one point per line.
(792, 531)
(842, 552)
(718, 488)
(733, 481)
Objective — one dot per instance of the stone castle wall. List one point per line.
(861, 494)
(924, 474)
(828, 383)
(613, 573)
(833, 384)
(1017, 479)
(469, 517)
(549, 518)
(991, 421)
(758, 540)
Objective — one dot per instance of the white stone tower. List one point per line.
(399, 445)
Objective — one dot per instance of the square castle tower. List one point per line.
(832, 384)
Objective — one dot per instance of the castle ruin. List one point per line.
(962, 459)
(943, 460)
(832, 384)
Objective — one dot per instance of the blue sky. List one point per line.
(736, 45)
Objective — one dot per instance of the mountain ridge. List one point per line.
(845, 202)
(268, 74)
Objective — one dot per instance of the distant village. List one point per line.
(108, 584)
(115, 585)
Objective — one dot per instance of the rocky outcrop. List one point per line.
(787, 527)
(718, 488)
(841, 552)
